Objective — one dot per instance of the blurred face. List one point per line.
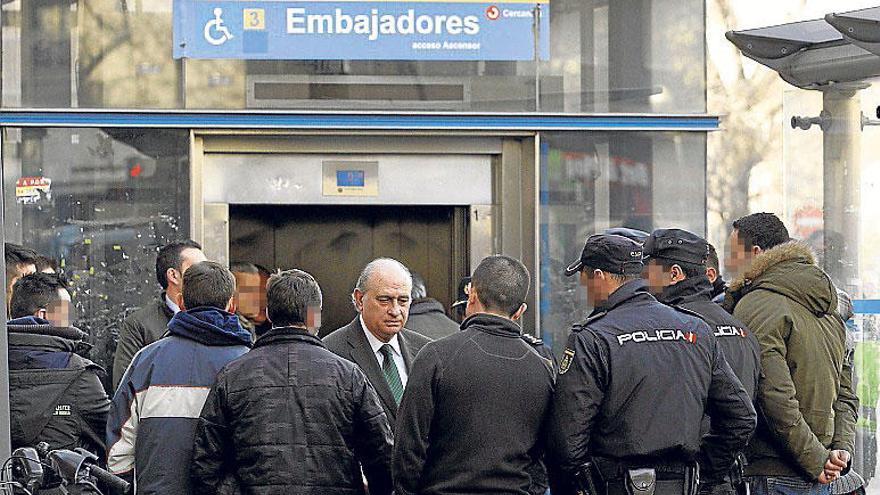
(58, 312)
(738, 257)
(656, 277)
(384, 306)
(247, 295)
(593, 282)
(261, 318)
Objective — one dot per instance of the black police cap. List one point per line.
(610, 253)
(634, 234)
(677, 245)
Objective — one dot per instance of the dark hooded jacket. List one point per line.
(292, 417)
(55, 396)
(805, 397)
(157, 405)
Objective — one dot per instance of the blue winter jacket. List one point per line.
(155, 410)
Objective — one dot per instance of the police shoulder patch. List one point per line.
(567, 357)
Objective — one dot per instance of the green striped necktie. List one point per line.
(392, 376)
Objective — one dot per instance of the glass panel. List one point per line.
(620, 56)
(113, 197)
(593, 181)
(825, 186)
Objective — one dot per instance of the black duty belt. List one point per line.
(613, 469)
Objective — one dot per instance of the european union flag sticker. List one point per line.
(256, 41)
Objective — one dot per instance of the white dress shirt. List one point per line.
(377, 344)
(171, 305)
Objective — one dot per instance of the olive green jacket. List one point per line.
(806, 404)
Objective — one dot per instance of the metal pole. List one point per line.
(842, 143)
(5, 420)
(536, 33)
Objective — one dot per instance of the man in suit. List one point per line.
(376, 340)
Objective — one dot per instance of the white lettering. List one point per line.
(424, 24)
(320, 23)
(374, 24)
(295, 21)
(406, 24)
(343, 22)
(471, 25)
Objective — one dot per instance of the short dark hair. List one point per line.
(419, 290)
(243, 267)
(712, 259)
(34, 292)
(169, 257)
(620, 278)
(502, 284)
(207, 284)
(289, 296)
(764, 230)
(17, 254)
(690, 270)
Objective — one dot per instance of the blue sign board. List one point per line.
(361, 30)
(350, 178)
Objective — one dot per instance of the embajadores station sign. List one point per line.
(362, 30)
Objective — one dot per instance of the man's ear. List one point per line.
(179, 301)
(711, 274)
(230, 305)
(358, 298)
(676, 273)
(41, 313)
(756, 250)
(173, 276)
(521, 311)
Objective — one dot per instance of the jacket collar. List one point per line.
(688, 290)
(426, 305)
(209, 326)
(632, 290)
(492, 324)
(36, 333)
(789, 251)
(32, 325)
(284, 335)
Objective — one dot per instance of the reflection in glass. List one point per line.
(593, 181)
(115, 195)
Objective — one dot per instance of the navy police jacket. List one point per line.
(741, 348)
(634, 382)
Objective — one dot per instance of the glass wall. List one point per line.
(593, 181)
(604, 56)
(99, 202)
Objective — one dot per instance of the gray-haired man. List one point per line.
(376, 340)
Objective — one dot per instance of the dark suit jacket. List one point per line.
(350, 343)
(140, 329)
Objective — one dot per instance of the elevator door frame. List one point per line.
(509, 225)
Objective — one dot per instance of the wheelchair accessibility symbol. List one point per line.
(216, 33)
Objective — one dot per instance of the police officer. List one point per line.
(675, 267)
(632, 386)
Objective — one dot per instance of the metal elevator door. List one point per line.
(333, 243)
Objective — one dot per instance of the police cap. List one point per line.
(634, 234)
(610, 253)
(677, 245)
